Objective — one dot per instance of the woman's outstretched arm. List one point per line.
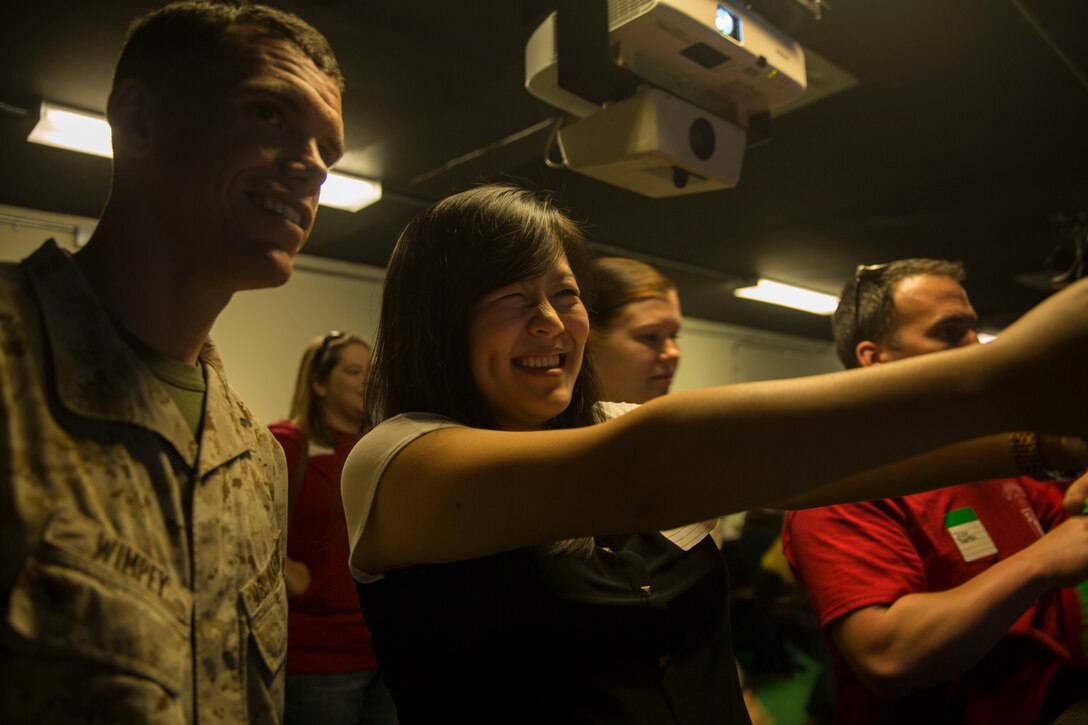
(459, 493)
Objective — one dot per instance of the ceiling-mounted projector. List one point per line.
(716, 55)
(656, 145)
(674, 87)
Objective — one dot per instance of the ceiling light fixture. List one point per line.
(787, 295)
(350, 193)
(67, 128)
(74, 130)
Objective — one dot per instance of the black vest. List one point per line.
(635, 632)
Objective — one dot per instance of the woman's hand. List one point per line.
(1076, 496)
(298, 577)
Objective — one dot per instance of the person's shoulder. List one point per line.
(367, 461)
(289, 436)
(14, 281)
(10, 270)
(12, 286)
(819, 520)
(393, 434)
(282, 429)
(611, 410)
(46, 260)
(411, 423)
(20, 315)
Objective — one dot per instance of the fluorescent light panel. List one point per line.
(787, 295)
(350, 193)
(89, 133)
(67, 128)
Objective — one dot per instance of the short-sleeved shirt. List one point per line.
(141, 570)
(857, 555)
(633, 629)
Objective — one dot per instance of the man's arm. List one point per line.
(927, 638)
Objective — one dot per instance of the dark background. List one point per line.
(965, 136)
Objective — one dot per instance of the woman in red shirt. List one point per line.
(332, 674)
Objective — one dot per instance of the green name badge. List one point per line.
(971, 537)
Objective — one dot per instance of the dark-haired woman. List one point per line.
(332, 674)
(503, 542)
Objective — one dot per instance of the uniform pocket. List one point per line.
(265, 602)
(87, 593)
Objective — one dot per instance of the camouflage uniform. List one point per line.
(140, 573)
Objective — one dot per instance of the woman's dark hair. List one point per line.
(446, 260)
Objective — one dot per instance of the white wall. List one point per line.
(262, 333)
(715, 353)
(23, 230)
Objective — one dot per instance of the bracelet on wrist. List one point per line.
(1029, 461)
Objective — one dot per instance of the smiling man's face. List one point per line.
(245, 156)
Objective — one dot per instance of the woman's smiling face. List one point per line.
(637, 358)
(526, 342)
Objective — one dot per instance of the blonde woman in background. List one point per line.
(633, 330)
(332, 673)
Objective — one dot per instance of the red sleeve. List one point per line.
(1046, 500)
(290, 439)
(852, 556)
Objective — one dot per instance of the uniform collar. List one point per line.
(98, 376)
(225, 433)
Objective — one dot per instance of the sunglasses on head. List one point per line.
(863, 273)
(334, 335)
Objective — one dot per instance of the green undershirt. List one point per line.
(184, 382)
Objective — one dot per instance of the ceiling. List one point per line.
(965, 137)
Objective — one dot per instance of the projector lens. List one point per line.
(727, 23)
(701, 138)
